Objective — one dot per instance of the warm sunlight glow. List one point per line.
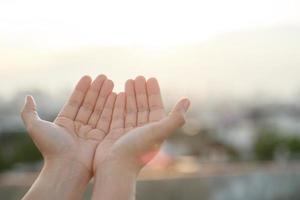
(58, 24)
(215, 43)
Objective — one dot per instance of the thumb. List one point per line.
(176, 119)
(181, 107)
(29, 114)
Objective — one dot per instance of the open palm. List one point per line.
(138, 124)
(77, 130)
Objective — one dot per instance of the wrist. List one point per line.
(118, 163)
(115, 168)
(115, 181)
(65, 179)
(66, 167)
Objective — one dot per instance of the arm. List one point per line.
(115, 182)
(138, 128)
(59, 179)
(68, 144)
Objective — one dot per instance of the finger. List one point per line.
(105, 118)
(117, 121)
(71, 108)
(131, 109)
(181, 107)
(156, 106)
(105, 91)
(168, 125)
(28, 113)
(141, 99)
(90, 100)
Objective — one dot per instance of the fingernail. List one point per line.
(27, 98)
(186, 104)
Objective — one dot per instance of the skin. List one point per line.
(139, 126)
(68, 144)
(101, 133)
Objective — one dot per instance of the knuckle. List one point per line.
(141, 123)
(74, 103)
(87, 106)
(142, 108)
(118, 117)
(97, 111)
(31, 126)
(179, 118)
(155, 107)
(143, 113)
(131, 110)
(105, 118)
(130, 124)
(22, 113)
(80, 121)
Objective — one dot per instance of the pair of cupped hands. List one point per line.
(100, 134)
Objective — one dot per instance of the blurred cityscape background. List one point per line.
(238, 62)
